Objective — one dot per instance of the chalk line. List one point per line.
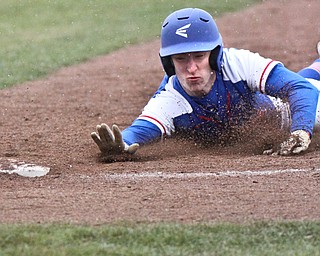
(185, 175)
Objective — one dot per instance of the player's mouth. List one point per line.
(193, 78)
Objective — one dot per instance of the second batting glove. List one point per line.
(298, 142)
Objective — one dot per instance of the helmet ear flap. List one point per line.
(215, 58)
(168, 65)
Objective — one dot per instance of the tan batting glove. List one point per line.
(298, 142)
(110, 142)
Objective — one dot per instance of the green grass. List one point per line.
(292, 238)
(39, 36)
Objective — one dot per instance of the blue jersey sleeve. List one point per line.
(141, 132)
(301, 95)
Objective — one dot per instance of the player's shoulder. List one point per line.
(233, 57)
(235, 53)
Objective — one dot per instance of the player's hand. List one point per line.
(110, 141)
(298, 142)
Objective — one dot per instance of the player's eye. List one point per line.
(199, 55)
(180, 57)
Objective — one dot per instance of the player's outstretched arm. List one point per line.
(110, 141)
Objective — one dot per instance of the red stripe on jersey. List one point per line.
(150, 117)
(264, 71)
(205, 118)
(228, 105)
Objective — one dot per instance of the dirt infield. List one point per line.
(48, 122)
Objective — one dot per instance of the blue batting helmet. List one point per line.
(190, 30)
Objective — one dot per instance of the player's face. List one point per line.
(194, 72)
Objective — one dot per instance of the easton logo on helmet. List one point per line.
(183, 30)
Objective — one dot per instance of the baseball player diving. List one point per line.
(208, 89)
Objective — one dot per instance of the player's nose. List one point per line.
(191, 65)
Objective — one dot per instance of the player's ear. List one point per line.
(215, 58)
(168, 65)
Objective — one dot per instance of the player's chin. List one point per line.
(197, 89)
(195, 85)
(198, 93)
